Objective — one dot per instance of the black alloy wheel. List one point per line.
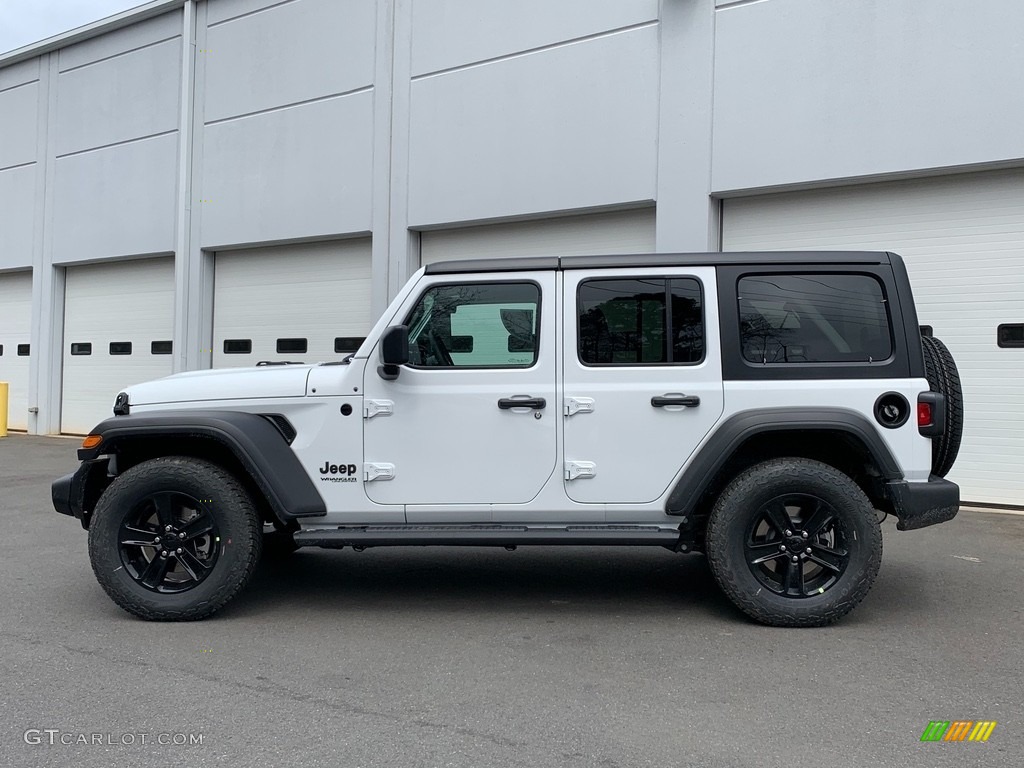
(796, 547)
(169, 542)
(174, 538)
(794, 542)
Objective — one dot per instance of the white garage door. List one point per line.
(590, 234)
(963, 239)
(118, 325)
(15, 322)
(308, 302)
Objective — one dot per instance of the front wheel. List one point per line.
(794, 543)
(174, 539)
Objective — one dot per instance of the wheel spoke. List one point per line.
(779, 517)
(819, 519)
(195, 567)
(137, 537)
(763, 552)
(164, 510)
(793, 581)
(198, 526)
(155, 572)
(833, 559)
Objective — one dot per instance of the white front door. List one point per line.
(471, 419)
(643, 379)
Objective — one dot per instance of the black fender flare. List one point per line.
(251, 438)
(739, 428)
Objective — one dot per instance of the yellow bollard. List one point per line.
(4, 386)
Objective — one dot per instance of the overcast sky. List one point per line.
(28, 21)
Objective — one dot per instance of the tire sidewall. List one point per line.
(200, 480)
(735, 513)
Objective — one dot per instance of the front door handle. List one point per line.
(689, 401)
(522, 401)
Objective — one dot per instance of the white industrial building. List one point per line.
(200, 183)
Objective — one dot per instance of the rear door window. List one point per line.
(813, 318)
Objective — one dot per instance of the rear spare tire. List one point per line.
(943, 377)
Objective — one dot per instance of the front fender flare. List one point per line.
(256, 443)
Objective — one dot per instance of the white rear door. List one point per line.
(643, 381)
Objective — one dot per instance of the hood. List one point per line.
(223, 384)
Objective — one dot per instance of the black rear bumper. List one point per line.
(918, 505)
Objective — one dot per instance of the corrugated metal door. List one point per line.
(15, 325)
(308, 302)
(963, 239)
(118, 326)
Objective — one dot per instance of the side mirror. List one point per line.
(394, 351)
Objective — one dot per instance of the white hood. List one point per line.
(265, 381)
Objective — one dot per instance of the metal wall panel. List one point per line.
(18, 124)
(592, 234)
(808, 90)
(18, 74)
(119, 41)
(448, 33)
(116, 201)
(570, 127)
(963, 239)
(17, 221)
(125, 97)
(300, 172)
(286, 54)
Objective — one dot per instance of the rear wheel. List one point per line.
(174, 539)
(943, 377)
(794, 543)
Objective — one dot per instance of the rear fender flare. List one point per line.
(737, 429)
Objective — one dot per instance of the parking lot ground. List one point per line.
(487, 658)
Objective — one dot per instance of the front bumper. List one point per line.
(918, 505)
(75, 494)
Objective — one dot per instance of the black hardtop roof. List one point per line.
(539, 263)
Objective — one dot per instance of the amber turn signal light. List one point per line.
(92, 441)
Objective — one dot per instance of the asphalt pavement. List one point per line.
(485, 658)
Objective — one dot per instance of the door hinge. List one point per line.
(373, 408)
(573, 405)
(373, 472)
(579, 469)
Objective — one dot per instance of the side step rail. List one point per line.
(337, 537)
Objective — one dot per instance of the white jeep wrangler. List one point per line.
(764, 409)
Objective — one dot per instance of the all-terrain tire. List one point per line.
(740, 512)
(943, 377)
(224, 503)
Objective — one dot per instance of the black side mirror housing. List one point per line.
(394, 351)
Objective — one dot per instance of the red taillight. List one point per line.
(924, 414)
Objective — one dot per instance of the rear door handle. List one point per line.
(522, 401)
(689, 401)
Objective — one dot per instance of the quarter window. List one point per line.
(823, 318)
(476, 325)
(648, 321)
